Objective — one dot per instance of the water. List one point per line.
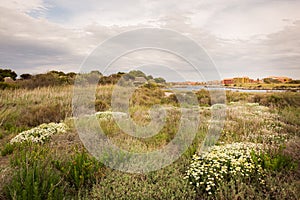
(199, 87)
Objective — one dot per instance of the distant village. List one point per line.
(241, 80)
(245, 79)
(8, 78)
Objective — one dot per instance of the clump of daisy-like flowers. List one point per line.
(221, 164)
(40, 134)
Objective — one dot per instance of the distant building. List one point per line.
(238, 80)
(227, 81)
(281, 79)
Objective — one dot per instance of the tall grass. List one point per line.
(55, 170)
(23, 108)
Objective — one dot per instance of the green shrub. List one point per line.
(34, 176)
(274, 162)
(166, 183)
(101, 105)
(7, 85)
(277, 100)
(7, 149)
(81, 171)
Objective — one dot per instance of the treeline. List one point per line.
(8, 78)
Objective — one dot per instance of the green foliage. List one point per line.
(7, 73)
(237, 96)
(159, 80)
(34, 177)
(26, 76)
(89, 78)
(7, 149)
(137, 73)
(7, 86)
(54, 173)
(130, 76)
(149, 77)
(52, 78)
(167, 183)
(277, 100)
(274, 161)
(96, 72)
(290, 115)
(81, 171)
(146, 97)
(101, 105)
(111, 79)
(203, 97)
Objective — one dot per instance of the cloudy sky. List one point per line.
(256, 38)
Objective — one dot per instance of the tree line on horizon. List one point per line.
(56, 78)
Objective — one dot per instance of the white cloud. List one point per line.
(23, 6)
(251, 37)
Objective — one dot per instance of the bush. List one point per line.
(277, 100)
(81, 171)
(40, 134)
(7, 86)
(274, 162)
(7, 73)
(100, 105)
(7, 149)
(38, 114)
(52, 78)
(222, 164)
(167, 183)
(34, 177)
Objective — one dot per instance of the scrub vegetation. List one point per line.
(42, 157)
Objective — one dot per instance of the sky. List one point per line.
(255, 38)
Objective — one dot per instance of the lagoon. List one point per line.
(199, 87)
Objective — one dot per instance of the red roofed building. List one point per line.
(227, 81)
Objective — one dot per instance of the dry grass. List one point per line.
(275, 121)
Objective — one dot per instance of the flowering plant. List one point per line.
(40, 134)
(224, 163)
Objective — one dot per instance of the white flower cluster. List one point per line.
(108, 115)
(222, 163)
(41, 133)
(251, 116)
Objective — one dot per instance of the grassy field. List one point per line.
(256, 157)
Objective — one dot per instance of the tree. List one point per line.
(160, 80)
(96, 72)
(137, 73)
(7, 73)
(59, 73)
(26, 76)
(71, 74)
(149, 77)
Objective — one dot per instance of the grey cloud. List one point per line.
(33, 44)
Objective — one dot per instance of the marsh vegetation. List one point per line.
(42, 157)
